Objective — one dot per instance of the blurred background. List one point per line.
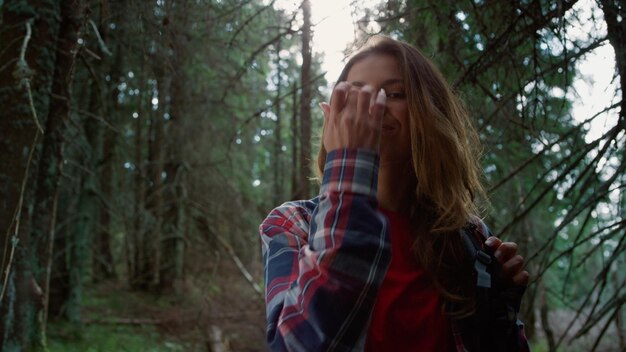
(142, 142)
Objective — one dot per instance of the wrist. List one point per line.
(352, 170)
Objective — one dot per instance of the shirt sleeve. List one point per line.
(322, 279)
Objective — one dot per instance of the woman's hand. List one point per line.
(512, 263)
(350, 121)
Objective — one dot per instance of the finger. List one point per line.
(521, 279)
(513, 266)
(378, 103)
(363, 103)
(493, 242)
(338, 98)
(505, 251)
(378, 111)
(351, 102)
(325, 109)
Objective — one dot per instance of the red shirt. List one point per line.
(407, 315)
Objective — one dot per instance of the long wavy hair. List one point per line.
(445, 164)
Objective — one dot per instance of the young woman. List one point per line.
(378, 261)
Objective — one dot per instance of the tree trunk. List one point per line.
(51, 164)
(24, 311)
(174, 217)
(20, 119)
(544, 314)
(103, 267)
(614, 12)
(278, 142)
(174, 191)
(304, 189)
(103, 150)
(59, 290)
(295, 169)
(136, 249)
(154, 198)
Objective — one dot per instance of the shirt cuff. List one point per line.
(351, 170)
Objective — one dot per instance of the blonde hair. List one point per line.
(445, 165)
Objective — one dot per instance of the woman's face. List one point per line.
(382, 71)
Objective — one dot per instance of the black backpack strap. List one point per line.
(479, 256)
(493, 327)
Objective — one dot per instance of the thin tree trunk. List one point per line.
(614, 12)
(304, 189)
(103, 267)
(174, 212)
(136, 250)
(544, 313)
(149, 265)
(103, 150)
(295, 169)
(278, 142)
(51, 165)
(172, 244)
(59, 290)
(134, 243)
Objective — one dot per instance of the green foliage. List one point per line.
(104, 304)
(65, 337)
(189, 132)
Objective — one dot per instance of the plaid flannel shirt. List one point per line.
(325, 259)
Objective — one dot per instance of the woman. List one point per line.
(377, 261)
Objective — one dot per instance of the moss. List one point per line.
(65, 337)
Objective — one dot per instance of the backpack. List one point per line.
(494, 326)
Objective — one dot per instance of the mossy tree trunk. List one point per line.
(44, 68)
(28, 36)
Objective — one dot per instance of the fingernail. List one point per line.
(368, 89)
(381, 97)
(490, 241)
(341, 85)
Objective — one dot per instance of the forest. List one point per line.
(143, 141)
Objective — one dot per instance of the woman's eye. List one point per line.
(395, 95)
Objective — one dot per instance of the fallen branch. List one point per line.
(246, 274)
(124, 321)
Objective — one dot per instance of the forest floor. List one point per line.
(219, 299)
(114, 318)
